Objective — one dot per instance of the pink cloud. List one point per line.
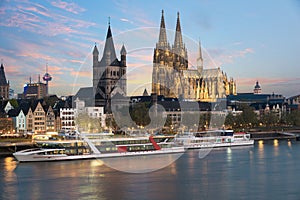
(37, 9)
(70, 7)
(262, 80)
(218, 57)
(36, 18)
(76, 61)
(12, 70)
(87, 74)
(137, 14)
(126, 20)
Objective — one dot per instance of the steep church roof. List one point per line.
(3, 81)
(85, 94)
(212, 73)
(123, 50)
(95, 51)
(109, 53)
(145, 93)
(178, 36)
(162, 40)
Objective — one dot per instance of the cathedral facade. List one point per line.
(109, 73)
(172, 77)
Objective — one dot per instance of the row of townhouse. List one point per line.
(39, 118)
(54, 115)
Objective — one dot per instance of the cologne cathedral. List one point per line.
(171, 76)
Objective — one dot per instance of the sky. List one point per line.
(249, 40)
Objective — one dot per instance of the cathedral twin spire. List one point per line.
(178, 44)
(178, 47)
(162, 40)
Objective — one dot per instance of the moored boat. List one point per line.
(213, 139)
(97, 148)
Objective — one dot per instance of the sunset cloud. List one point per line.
(262, 80)
(62, 33)
(70, 7)
(87, 74)
(218, 57)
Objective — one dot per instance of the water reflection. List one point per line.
(289, 143)
(9, 177)
(141, 164)
(226, 173)
(276, 147)
(229, 155)
(261, 149)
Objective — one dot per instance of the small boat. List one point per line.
(213, 139)
(97, 148)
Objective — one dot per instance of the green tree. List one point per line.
(110, 122)
(248, 118)
(122, 117)
(88, 124)
(14, 103)
(204, 120)
(230, 120)
(270, 119)
(139, 113)
(293, 118)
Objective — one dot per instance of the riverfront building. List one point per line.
(36, 90)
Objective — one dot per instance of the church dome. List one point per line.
(257, 86)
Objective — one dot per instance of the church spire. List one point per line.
(109, 53)
(95, 51)
(200, 51)
(3, 81)
(95, 55)
(178, 44)
(200, 58)
(162, 41)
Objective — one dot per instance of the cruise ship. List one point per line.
(98, 146)
(213, 139)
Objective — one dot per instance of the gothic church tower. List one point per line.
(109, 74)
(4, 85)
(171, 76)
(168, 62)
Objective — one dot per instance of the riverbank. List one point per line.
(279, 135)
(11, 145)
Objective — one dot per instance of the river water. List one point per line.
(269, 170)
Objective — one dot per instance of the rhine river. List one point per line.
(269, 170)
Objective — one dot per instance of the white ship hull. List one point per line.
(213, 139)
(23, 156)
(216, 145)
